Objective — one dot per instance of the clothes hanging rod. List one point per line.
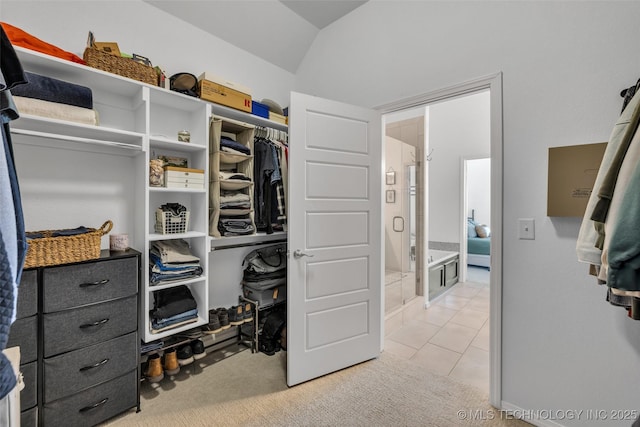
(254, 243)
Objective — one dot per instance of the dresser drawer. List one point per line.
(29, 394)
(77, 370)
(27, 294)
(77, 285)
(94, 405)
(80, 327)
(24, 333)
(29, 418)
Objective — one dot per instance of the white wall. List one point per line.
(140, 28)
(457, 128)
(479, 190)
(563, 64)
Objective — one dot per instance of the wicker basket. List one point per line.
(49, 250)
(121, 66)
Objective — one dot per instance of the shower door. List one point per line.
(400, 226)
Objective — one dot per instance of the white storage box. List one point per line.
(175, 177)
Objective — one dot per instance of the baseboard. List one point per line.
(542, 417)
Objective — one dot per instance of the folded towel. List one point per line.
(54, 90)
(53, 110)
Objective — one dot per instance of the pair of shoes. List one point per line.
(214, 326)
(236, 315)
(187, 353)
(247, 313)
(154, 372)
(223, 317)
(170, 362)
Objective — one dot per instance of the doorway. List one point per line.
(402, 196)
(492, 85)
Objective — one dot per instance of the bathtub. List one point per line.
(443, 271)
(437, 257)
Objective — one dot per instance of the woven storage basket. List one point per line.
(121, 66)
(49, 250)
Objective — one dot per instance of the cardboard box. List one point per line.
(572, 175)
(214, 92)
(224, 82)
(277, 117)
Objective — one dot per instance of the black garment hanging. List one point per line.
(628, 93)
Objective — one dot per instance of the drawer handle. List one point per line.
(94, 406)
(98, 283)
(86, 368)
(98, 323)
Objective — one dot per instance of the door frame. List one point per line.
(464, 203)
(493, 83)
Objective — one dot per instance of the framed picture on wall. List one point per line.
(391, 178)
(391, 196)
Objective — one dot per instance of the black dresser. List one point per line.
(77, 328)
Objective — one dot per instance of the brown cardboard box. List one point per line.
(214, 92)
(277, 117)
(572, 174)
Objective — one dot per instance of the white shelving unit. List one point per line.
(169, 113)
(139, 122)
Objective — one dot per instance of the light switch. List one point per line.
(526, 229)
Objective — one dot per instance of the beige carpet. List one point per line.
(250, 390)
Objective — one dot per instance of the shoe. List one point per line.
(171, 366)
(185, 355)
(235, 315)
(223, 316)
(247, 313)
(214, 325)
(197, 349)
(266, 346)
(154, 373)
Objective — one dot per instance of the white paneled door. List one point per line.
(334, 269)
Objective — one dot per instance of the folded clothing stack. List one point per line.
(173, 307)
(171, 260)
(229, 145)
(231, 226)
(56, 99)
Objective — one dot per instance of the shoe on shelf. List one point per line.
(214, 326)
(235, 315)
(171, 366)
(185, 355)
(197, 349)
(247, 313)
(153, 373)
(223, 317)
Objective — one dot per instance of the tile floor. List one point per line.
(451, 336)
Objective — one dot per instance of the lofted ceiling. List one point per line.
(278, 31)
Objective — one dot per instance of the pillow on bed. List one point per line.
(471, 229)
(483, 230)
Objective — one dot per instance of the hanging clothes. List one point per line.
(13, 243)
(610, 231)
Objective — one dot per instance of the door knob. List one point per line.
(297, 254)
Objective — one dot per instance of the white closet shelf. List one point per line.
(78, 136)
(172, 144)
(232, 241)
(176, 190)
(84, 75)
(153, 288)
(187, 235)
(201, 321)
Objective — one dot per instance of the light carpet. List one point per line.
(250, 390)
